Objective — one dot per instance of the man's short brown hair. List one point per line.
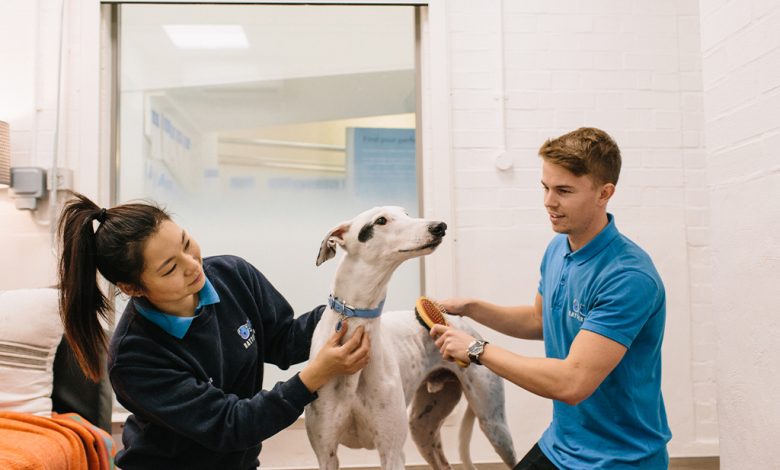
(586, 151)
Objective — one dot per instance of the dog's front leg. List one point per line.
(392, 427)
(391, 448)
(322, 428)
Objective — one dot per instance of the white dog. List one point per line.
(369, 409)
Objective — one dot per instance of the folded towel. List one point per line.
(28, 442)
(66, 442)
(103, 443)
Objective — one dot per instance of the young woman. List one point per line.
(186, 358)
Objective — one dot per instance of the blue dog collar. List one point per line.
(346, 310)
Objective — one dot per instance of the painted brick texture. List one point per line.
(741, 83)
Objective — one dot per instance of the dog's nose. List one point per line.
(438, 230)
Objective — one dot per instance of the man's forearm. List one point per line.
(549, 378)
(591, 358)
(518, 321)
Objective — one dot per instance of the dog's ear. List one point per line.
(333, 238)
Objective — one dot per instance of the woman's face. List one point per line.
(173, 267)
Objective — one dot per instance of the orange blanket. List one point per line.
(34, 442)
(102, 441)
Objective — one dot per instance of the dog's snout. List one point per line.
(438, 230)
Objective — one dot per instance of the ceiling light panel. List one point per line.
(207, 36)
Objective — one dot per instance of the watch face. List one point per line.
(475, 350)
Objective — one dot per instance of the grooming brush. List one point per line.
(429, 313)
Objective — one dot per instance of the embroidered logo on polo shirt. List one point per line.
(247, 333)
(576, 311)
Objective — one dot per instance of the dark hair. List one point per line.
(586, 151)
(115, 250)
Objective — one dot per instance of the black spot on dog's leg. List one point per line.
(366, 232)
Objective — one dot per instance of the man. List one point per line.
(600, 309)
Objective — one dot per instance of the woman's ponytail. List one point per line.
(105, 241)
(82, 303)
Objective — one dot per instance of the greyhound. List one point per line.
(369, 409)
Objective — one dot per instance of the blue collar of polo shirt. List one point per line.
(207, 296)
(598, 243)
(174, 325)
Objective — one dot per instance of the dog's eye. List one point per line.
(380, 221)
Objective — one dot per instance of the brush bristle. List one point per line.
(429, 312)
(434, 310)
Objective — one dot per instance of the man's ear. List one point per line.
(129, 289)
(333, 238)
(607, 191)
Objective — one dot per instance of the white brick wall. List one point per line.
(741, 79)
(697, 226)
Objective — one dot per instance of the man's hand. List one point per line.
(452, 343)
(457, 306)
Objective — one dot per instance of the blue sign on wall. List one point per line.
(382, 165)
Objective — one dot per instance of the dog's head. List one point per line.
(386, 233)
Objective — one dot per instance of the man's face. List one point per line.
(575, 204)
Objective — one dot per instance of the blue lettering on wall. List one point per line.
(173, 132)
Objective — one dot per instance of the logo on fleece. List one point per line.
(247, 333)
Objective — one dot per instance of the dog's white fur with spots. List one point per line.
(405, 370)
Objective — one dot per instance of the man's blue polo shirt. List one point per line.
(172, 324)
(610, 287)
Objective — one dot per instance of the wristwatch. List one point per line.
(476, 348)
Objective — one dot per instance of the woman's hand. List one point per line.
(336, 359)
(452, 343)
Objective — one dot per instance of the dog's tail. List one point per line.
(464, 438)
